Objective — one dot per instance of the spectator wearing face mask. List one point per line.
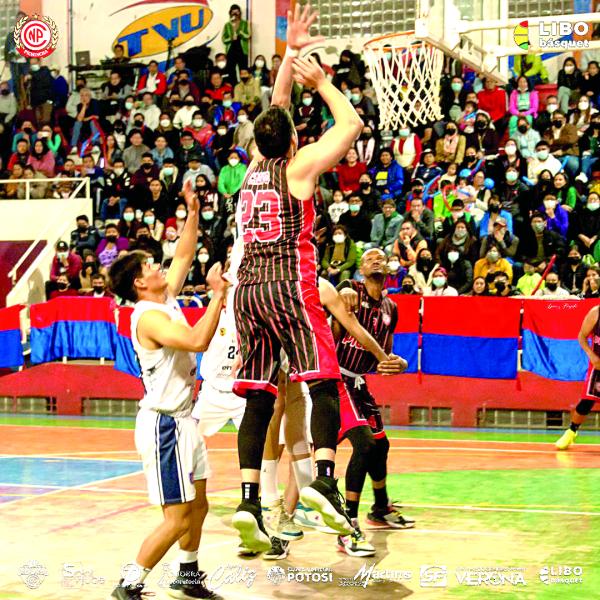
(188, 147)
(41, 91)
(419, 214)
(408, 286)
(84, 237)
(371, 198)
(339, 259)
(553, 289)
(140, 181)
(155, 226)
(453, 98)
(65, 262)
(524, 103)
(247, 92)
(169, 177)
(563, 141)
(491, 263)
(581, 116)
(222, 144)
(510, 158)
(178, 220)
(183, 117)
(493, 213)
(526, 138)
(514, 197)
(451, 147)
(456, 213)
(243, 134)
(236, 39)
(543, 161)
(188, 297)
(110, 246)
(484, 139)
(385, 228)
(232, 176)
(366, 147)
(573, 271)
(540, 243)
(213, 224)
(502, 237)
(569, 83)
(128, 225)
(356, 221)
(557, 218)
(585, 224)
(459, 270)
(63, 288)
(199, 271)
(459, 237)
(170, 243)
(200, 129)
(395, 275)
(99, 289)
(503, 288)
(407, 149)
(422, 270)
(439, 284)
(195, 168)
(145, 242)
(307, 119)
(227, 111)
(479, 288)
(388, 177)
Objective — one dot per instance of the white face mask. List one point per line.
(453, 256)
(339, 238)
(259, 63)
(119, 171)
(234, 162)
(593, 205)
(439, 281)
(550, 203)
(203, 258)
(165, 122)
(198, 122)
(583, 105)
(569, 69)
(510, 150)
(393, 266)
(404, 132)
(222, 64)
(221, 131)
(551, 108)
(181, 214)
(242, 118)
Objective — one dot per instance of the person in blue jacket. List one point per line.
(388, 176)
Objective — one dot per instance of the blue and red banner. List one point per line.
(550, 346)
(125, 359)
(406, 333)
(72, 327)
(470, 337)
(10, 337)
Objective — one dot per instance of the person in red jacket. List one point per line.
(493, 100)
(349, 173)
(66, 263)
(63, 288)
(154, 81)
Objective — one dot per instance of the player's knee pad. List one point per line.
(362, 440)
(325, 417)
(253, 429)
(363, 443)
(584, 407)
(378, 459)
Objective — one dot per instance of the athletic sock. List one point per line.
(135, 575)
(188, 562)
(250, 492)
(381, 497)
(352, 508)
(574, 426)
(268, 481)
(303, 472)
(325, 468)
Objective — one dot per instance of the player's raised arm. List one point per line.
(157, 327)
(331, 300)
(314, 159)
(186, 248)
(298, 37)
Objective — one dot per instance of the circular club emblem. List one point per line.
(36, 37)
(276, 575)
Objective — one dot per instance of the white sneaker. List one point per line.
(356, 543)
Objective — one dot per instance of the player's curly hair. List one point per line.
(273, 132)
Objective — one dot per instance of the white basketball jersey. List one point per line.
(168, 375)
(217, 361)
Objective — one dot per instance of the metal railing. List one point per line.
(82, 182)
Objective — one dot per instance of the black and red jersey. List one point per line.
(379, 318)
(278, 229)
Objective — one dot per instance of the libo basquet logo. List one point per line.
(553, 34)
(35, 36)
(152, 33)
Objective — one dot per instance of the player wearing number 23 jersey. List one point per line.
(277, 301)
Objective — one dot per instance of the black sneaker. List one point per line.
(389, 518)
(191, 588)
(323, 496)
(248, 521)
(128, 592)
(279, 549)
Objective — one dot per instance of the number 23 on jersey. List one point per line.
(261, 219)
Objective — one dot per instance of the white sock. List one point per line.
(268, 482)
(187, 557)
(303, 472)
(135, 574)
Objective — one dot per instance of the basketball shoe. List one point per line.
(248, 521)
(307, 517)
(566, 439)
(356, 543)
(279, 523)
(279, 549)
(389, 518)
(192, 588)
(128, 592)
(323, 496)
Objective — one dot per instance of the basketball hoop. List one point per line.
(405, 73)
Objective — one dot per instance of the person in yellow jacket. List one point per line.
(532, 67)
(492, 262)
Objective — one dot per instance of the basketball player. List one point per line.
(174, 455)
(216, 401)
(277, 300)
(591, 394)
(277, 516)
(360, 415)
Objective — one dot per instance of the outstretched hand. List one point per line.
(308, 73)
(298, 26)
(191, 198)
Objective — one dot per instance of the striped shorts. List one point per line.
(173, 454)
(280, 315)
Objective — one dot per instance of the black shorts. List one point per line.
(282, 315)
(358, 409)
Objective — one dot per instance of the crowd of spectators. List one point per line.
(478, 203)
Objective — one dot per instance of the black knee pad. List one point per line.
(378, 459)
(362, 440)
(584, 407)
(325, 417)
(363, 445)
(253, 428)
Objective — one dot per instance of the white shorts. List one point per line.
(214, 408)
(174, 456)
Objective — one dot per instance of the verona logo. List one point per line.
(521, 35)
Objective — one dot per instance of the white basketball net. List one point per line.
(407, 84)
